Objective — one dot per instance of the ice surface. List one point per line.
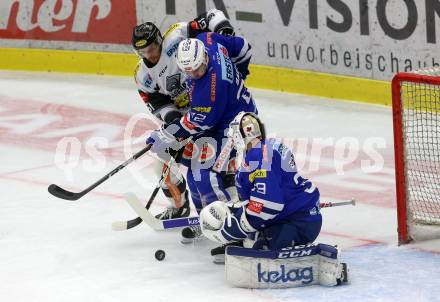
(56, 250)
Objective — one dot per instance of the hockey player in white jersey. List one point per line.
(161, 85)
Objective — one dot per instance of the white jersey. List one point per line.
(166, 77)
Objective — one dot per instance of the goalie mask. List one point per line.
(192, 58)
(245, 128)
(146, 40)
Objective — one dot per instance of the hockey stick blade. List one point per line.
(128, 224)
(125, 225)
(153, 222)
(63, 194)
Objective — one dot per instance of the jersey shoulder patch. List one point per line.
(280, 148)
(258, 173)
(172, 28)
(285, 156)
(175, 33)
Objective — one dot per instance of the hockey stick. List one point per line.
(64, 194)
(337, 204)
(125, 225)
(160, 225)
(153, 222)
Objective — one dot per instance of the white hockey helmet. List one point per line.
(191, 54)
(245, 127)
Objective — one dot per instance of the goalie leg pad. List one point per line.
(289, 267)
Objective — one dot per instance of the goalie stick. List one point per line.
(160, 225)
(64, 194)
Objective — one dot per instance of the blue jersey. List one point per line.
(218, 96)
(269, 181)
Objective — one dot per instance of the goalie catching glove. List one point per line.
(225, 223)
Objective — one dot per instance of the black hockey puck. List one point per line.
(160, 255)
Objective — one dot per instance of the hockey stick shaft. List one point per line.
(330, 204)
(160, 225)
(64, 194)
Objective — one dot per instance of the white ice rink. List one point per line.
(57, 250)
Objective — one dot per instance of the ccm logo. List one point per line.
(294, 254)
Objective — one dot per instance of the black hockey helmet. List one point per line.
(145, 34)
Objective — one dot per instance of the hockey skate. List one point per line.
(219, 252)
(172, 212)
(191, 234)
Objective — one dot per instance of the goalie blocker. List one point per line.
(288, 267)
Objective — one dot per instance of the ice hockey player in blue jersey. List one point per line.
(277, 220)
(277, 203)
(162, 87)
(217, 94)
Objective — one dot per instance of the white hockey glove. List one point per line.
(217, 22)
(163, 142)
(219, 224)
